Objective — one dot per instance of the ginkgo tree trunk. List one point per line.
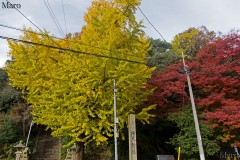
(72, 93)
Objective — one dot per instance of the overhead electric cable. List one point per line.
(33, 24)
(23, 30)
(55, 20)
(40, 30)
(26, 17)
(151, 23)
(71, 50)
(64, 16)
(44, 34)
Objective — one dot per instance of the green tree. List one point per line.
(8, 98)
(9, 134)
(159, 46)
(161, 54)
(162, 60)
(187, 138)
(11, 123)
(72, 94)
(3, 78)
(8, 130)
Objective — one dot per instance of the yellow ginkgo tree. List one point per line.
(185, 42)
(72, 93)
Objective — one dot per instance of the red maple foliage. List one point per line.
(215, 77)
(169, 90)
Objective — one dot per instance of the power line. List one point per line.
(71, 50)
(37, 27)
(151, 23)
(44, 34)
(26, 17)
(64, 39)
(64, 16)
(55, 20)
(23, 30)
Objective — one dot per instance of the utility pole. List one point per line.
(115, 119)
(199, 139)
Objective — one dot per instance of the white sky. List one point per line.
(170, 17)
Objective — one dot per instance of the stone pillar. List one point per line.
(132, 137)
(71, 153)
(18, 155)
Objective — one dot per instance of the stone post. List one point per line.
(132, 137)
(71, 153)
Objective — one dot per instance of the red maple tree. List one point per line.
(215, 77)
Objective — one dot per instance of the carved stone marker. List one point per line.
(71, 153)
(132, 137)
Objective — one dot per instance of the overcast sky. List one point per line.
(170, 17)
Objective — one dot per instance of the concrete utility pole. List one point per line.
(115, 119)
(199, 138)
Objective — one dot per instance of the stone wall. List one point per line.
(47, 147)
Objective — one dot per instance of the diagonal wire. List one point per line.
(151, 23)
(54, 17)
(26, 17)
(41, 30)
(49, 37)
(64, 15)
(55, 20)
